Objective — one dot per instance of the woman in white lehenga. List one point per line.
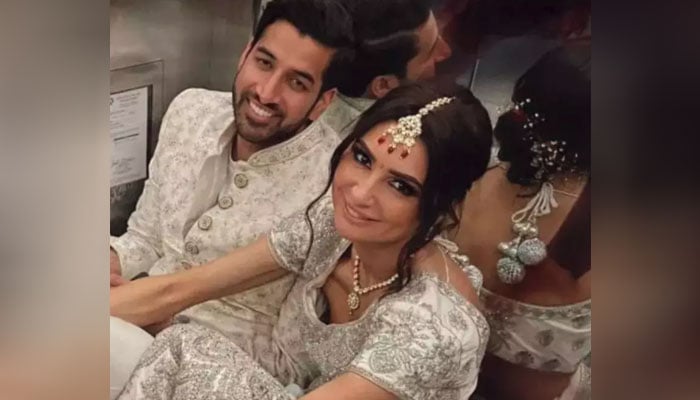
(526, 226)
(380, 309)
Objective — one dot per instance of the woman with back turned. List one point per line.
(526, 226)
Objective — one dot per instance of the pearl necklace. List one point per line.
(357, 291)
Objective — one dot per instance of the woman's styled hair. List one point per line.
(457, 137)
(555, 93)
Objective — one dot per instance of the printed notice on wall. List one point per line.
(128, 125)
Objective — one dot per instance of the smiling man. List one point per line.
(227, 168)
(280, 87)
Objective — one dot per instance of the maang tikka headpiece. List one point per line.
(410, 127)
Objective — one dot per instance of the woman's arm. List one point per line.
(349, 386)
(154, 299)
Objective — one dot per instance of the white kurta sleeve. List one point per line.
(141, 245)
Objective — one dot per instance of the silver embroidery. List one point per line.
(547, 338)
(189, 362)
(424, 342)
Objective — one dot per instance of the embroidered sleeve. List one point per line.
(291, 241)
(423, 350)
(141, 245)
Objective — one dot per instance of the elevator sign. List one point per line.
(128, 126)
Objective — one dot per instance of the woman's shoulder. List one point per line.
(433, 310)
(450, 270)
(424, 342)
(429, 297)
(436, 318)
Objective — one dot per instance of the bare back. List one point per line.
(486, 222)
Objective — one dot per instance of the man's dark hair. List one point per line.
(385, 32)
(326, 21)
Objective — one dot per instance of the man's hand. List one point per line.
(143, 302)
(115, 270)
(122, 303)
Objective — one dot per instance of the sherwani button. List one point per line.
(225, 202)
(240, 180)
(191, 248)
(204, 223)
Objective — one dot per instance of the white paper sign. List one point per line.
(128, 125)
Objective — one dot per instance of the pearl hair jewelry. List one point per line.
(529, 119)
(410, 127)
(550, 156)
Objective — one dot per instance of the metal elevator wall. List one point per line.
(198, 40)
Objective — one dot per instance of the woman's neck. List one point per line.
(378, 261)
(570, 183)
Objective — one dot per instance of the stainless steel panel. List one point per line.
(232, 28)
(199, 41)
(177, 32)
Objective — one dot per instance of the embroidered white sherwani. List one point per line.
(198, 204)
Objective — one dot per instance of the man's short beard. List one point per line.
(282, 134)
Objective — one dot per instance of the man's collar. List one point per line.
(290, 148)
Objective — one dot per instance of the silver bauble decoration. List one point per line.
(510, 271)
(520, 228)
(532, 251)
(531, 232)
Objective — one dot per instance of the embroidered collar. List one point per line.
(292, 147)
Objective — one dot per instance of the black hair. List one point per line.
(386, 39)
(559, 88)
(326, 21)
(457, 137)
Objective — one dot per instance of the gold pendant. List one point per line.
(353, 301)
